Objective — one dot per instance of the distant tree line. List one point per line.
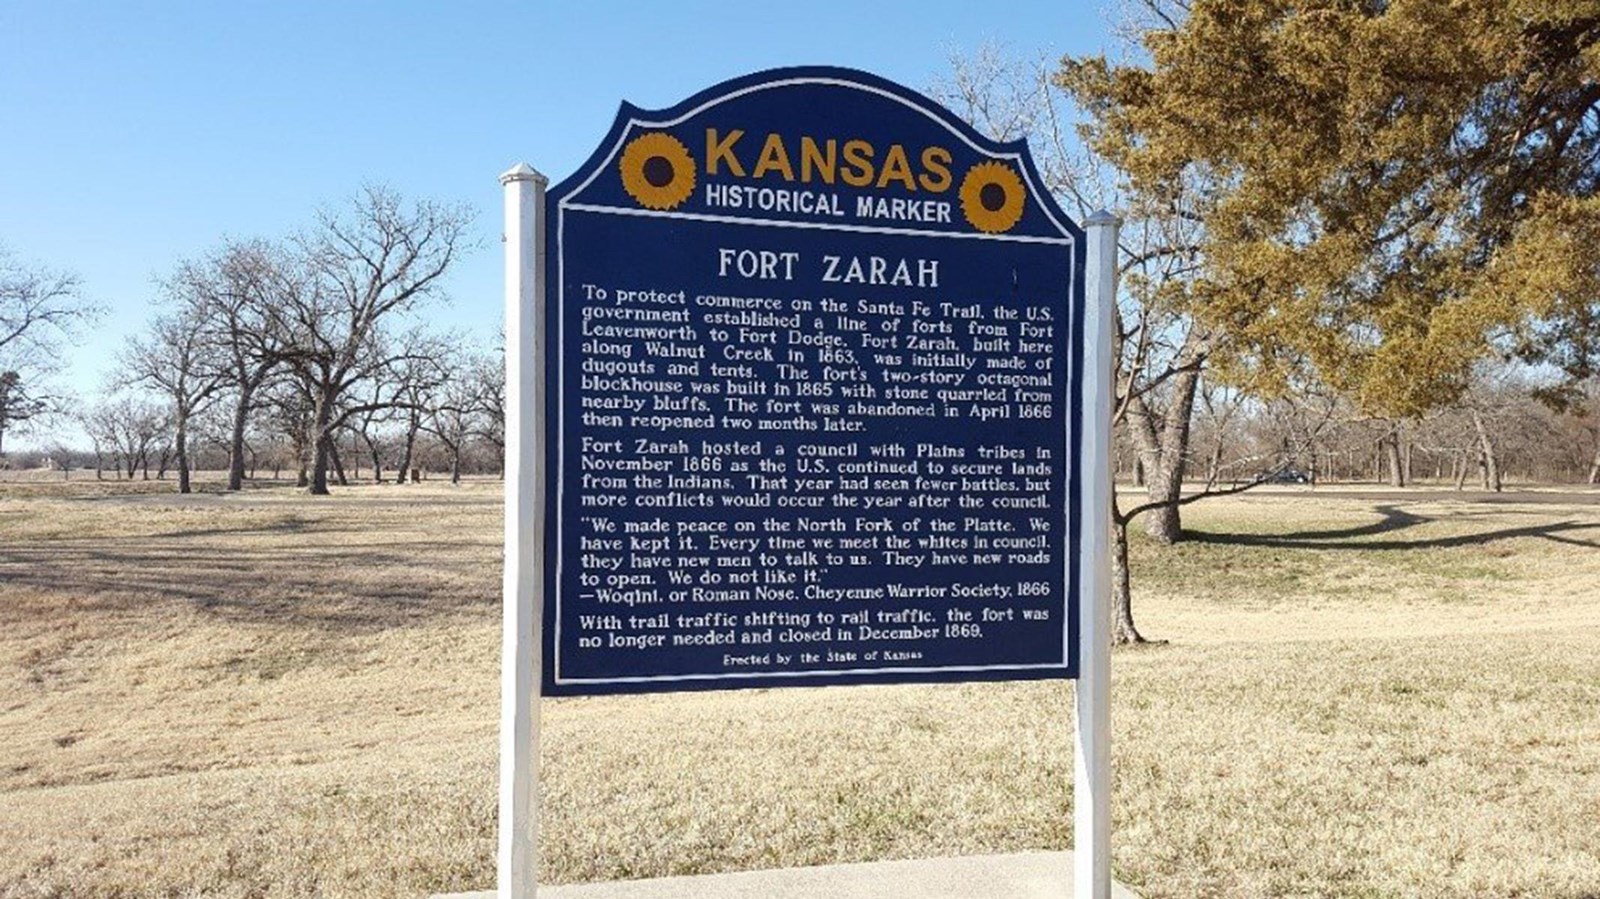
(305, 356)
(1506, 430)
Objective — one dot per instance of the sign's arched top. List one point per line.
(815, 397)
(888, 160)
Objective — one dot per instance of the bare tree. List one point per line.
(236, 291)
(289, 416)
(488, 374)
(1500, 403)
(1163, 351)
(131, 430)
(178, 360)
(39, 309)
(1217, 412)
(211, 433)
(370, 426)
(1587, 420)
(453, 418)
(407, 388)
(374, 262)
(17, 405)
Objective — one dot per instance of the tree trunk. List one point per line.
(1391, 455)
(1491, 465)
(1461, 471)
(181, 439)
(322, 443)
(1164, 454)
(1123, 630)
(455, 465)
(411, 445)
(319, 468)
(338, 463)
(302, 452)
(241, 420)
(1594, 468)
(1164, 523)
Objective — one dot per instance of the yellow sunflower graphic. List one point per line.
(657, 170)
(992, 197)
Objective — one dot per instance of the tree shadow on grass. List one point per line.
(360, 588)
(292, 524)
(1394, 519)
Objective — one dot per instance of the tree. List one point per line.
(374, 262)
(178, 360)
(1499, 402)
(131, 430)
(235, 292)
(289, 415)
(454, 417)
(1400, 189)
(1162, 348)
(1329, 166)
(1584, 408)
(17, 405)
(211, 438)
(369, 426)
(39, 308)
(489, 379)
(409, 387)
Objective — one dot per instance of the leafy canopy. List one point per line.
(1394, 190)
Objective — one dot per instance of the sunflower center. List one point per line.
(658, 171)
(992, 197)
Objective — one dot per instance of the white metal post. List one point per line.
(1092, 773)
(521, 638)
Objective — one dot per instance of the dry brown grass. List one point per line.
(269, 695)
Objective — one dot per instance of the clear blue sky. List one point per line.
(136, 134)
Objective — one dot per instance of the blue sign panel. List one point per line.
(814, 398)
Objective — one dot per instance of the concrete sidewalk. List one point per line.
(1024, 875)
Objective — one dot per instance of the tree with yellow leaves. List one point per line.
(1397, 188)
(1381, 193)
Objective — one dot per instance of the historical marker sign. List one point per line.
(813, 399)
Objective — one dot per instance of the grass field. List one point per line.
(271, 696)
